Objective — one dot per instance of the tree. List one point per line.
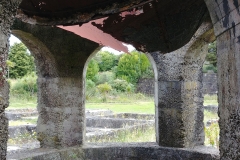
(10, 64)
(22, 60)
(212, 54)
(106, 60)
(92, 70)
(132, 66)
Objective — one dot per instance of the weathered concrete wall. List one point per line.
(133, 151)
(225, 15)
(209, 82)
(146, 86)
(179, 112)
(60, 58)
(7, 12)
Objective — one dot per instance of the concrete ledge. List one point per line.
(119, 151)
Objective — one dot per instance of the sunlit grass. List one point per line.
(209, 115)
(210, 100)
(137, 135)
(24, 121)
(138, 107)
(17, 102)
(23, 139)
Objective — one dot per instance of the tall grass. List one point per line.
(136, 135)
(210, 100)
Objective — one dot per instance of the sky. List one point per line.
(14, 39)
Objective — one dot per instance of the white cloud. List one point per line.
(13, 40)
(111, 50)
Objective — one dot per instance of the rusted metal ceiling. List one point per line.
(149, 25)
(69, 12)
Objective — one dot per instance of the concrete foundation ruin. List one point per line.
(173, 33)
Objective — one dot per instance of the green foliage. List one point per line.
(212, 135)
(25, 87)
(103, 77)
(128, 135)
(212, 54)
(92, 70)
(148, 73)
(22, 62)
(23, 138)
(209, 67)
(104, 89)
(122, 85)
(106, 60)
(90, 89)
(131, 66)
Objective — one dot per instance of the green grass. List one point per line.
(23, 121)
(138, 107)
(137, 135)
(210, 100)
(209, 115)
(23, 139)
(22, 103)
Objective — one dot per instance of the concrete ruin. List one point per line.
(173, 33)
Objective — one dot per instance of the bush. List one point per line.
(148, 73)
(26, 86)
(131, 66)
(209, 67)
(104, 89)
(105, 77)
(212, 134)
(92, 70)
(90, 89)
(122, 85)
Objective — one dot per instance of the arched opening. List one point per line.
(210, 94)
(22, 111)
(115, 111)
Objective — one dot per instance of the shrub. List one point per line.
(212, 134)
(26, 86)
(209, 67)
(104, 89)
(90, 89)
(92, 70)
(122, 85)
(131, 66)
(105, 77)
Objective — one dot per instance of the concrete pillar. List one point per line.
(7, 12)
(179, 108)
(60, 58)
(225, 15)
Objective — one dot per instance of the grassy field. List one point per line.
(210, 100)
(133, 104)
(137, 107)
(126, 136)
(123, 104)
(18, 103)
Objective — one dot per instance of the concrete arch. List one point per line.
(45, 62)
(179, 108)
(60, 57)
(155, 71)
(225, 16)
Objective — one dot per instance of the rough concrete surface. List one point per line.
(226, 17)
(61, 56)
(180, 102)
(119, 151)
(7, 12)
